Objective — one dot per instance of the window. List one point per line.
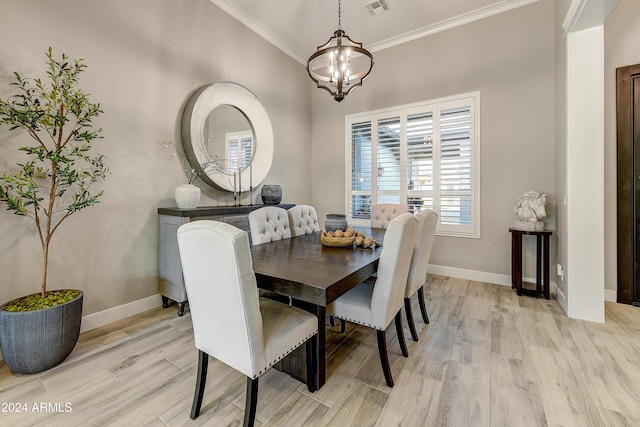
(424, 155)
(238, 147)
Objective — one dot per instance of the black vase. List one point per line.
(335, 222)
(271, 194)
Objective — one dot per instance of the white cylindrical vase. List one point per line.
(187, 196)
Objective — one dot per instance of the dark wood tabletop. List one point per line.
(314, 276)
(304, 269)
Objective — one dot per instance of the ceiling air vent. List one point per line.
(377, 7)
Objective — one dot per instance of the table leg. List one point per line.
(539, 263)
(293, 364)
(321, 347)
(514, 251)
(546, 267)
(518, 263)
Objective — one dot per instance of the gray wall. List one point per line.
(145, 58)
(510, 59)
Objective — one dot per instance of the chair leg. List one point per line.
(203, 364)
(423, 307)
(384, 359)
(400, 331)
(332, 321)
(251, 403)
(312, 365)
(343, 326)
(412, 325)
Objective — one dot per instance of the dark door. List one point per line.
(628, 129)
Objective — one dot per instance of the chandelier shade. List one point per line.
(332, 68)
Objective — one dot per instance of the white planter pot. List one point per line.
(187, 196)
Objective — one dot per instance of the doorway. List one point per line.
(628, 130)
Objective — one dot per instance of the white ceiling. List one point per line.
(298, 27)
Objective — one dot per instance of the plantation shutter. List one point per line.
(420, 161)
(423, 155)
(245, 144)
(388, 160)
(361, 170)
(455, 166)
(239, 148)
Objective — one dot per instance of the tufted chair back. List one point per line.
(303, 219)
(230, 322)
(427, 221)
(268, 224)
(382, 214)
(225, 312)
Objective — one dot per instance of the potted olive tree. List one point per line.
(53, 181)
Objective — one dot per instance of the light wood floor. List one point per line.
(488, 358)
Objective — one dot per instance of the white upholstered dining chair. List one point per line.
(303, 219)
(375, 305)
(382, 214)
(427, 221)
(269, 224)
(230, 321)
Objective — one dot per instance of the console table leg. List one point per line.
(519, 263)
(514, 259)
(539, 263)
(546, 267)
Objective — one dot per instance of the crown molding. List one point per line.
(262, 31)
(259, 29)
(456, 21)
(583, 14)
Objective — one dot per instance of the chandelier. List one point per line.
(331, 67)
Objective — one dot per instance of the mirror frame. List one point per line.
(195, 114)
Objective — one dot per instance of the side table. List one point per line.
(542, 262)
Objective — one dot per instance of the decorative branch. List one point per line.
(210, 164)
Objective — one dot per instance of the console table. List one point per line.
(171, 283)
(542, 262)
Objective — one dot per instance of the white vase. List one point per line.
(187, 196)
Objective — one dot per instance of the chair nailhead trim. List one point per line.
(283, 355)
(358, 322)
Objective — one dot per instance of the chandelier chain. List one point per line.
(339, 15)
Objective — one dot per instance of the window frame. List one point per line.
(434, 106)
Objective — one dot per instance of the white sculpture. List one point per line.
(530, 208)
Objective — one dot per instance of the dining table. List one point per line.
(313, 276)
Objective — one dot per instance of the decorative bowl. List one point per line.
(336, 242)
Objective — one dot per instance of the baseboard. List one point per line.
(562, 300)
(481, 276)
(114, 314)
(610, 295)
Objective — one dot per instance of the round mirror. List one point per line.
(227, 137)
